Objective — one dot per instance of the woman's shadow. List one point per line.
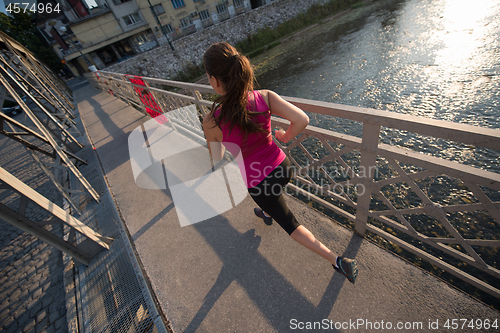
(275, 297)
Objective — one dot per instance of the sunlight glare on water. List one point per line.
(468, 42)
(437, 59)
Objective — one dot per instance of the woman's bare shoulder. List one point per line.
(209, 122)
(210, 128)
(208, 118)
(265, 95)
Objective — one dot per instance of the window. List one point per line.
(178, 3)
(204, 15)
(238, 3)
(186, 22)
(132, 19)
(77, 44)
(117, 2)
(142, 39)
(158, 9)
(168, 28)
(221, 8)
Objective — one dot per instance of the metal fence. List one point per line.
(111, 292)
(444, 211)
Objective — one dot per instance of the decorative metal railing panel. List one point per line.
(443, 211)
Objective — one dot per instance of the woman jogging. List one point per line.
(242, 116)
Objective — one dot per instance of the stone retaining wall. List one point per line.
(162, 63)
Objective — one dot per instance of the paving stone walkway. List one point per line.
(31, 284)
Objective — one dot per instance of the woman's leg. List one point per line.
(276, 207)
(279, 211)
(304, 237)
(269, 197)
(273, 203)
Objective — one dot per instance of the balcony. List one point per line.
(72, 49)
(94, 12)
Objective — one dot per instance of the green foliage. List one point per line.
(260, 50)
(270, 46)
(191, 72)
(267, 38)
(18, 26)
(315, 14)
(255, 53)
(22, 28)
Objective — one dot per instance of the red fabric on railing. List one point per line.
(147, 99)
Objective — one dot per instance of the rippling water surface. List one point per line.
(432, 58)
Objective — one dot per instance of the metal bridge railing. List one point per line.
(443, 211)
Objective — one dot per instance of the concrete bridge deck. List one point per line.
(233, 273)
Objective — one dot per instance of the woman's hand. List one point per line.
(279, 133)
(279, 107)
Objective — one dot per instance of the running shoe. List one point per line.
(267, 219)
(348, 268)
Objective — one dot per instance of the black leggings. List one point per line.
(268, 194)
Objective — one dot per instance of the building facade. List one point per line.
(103, 32)
(173, 19)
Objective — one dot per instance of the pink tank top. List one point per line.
(259, 153)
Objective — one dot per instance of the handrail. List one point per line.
(464, 133)
(373, 209)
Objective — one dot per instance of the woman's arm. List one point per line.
(278, 106)
(213, 134)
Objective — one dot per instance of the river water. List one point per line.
(432, 58)
(438, 59)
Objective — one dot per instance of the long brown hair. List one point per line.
(235, 72)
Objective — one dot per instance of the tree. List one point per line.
(22, 28)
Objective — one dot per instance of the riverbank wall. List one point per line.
(163, 63)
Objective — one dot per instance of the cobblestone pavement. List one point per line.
(32, 297)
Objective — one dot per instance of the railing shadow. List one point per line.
(117, 135)
(152, 222)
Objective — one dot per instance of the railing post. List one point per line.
(367, 169)
(199, 98)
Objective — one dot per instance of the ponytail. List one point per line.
(235, 72)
